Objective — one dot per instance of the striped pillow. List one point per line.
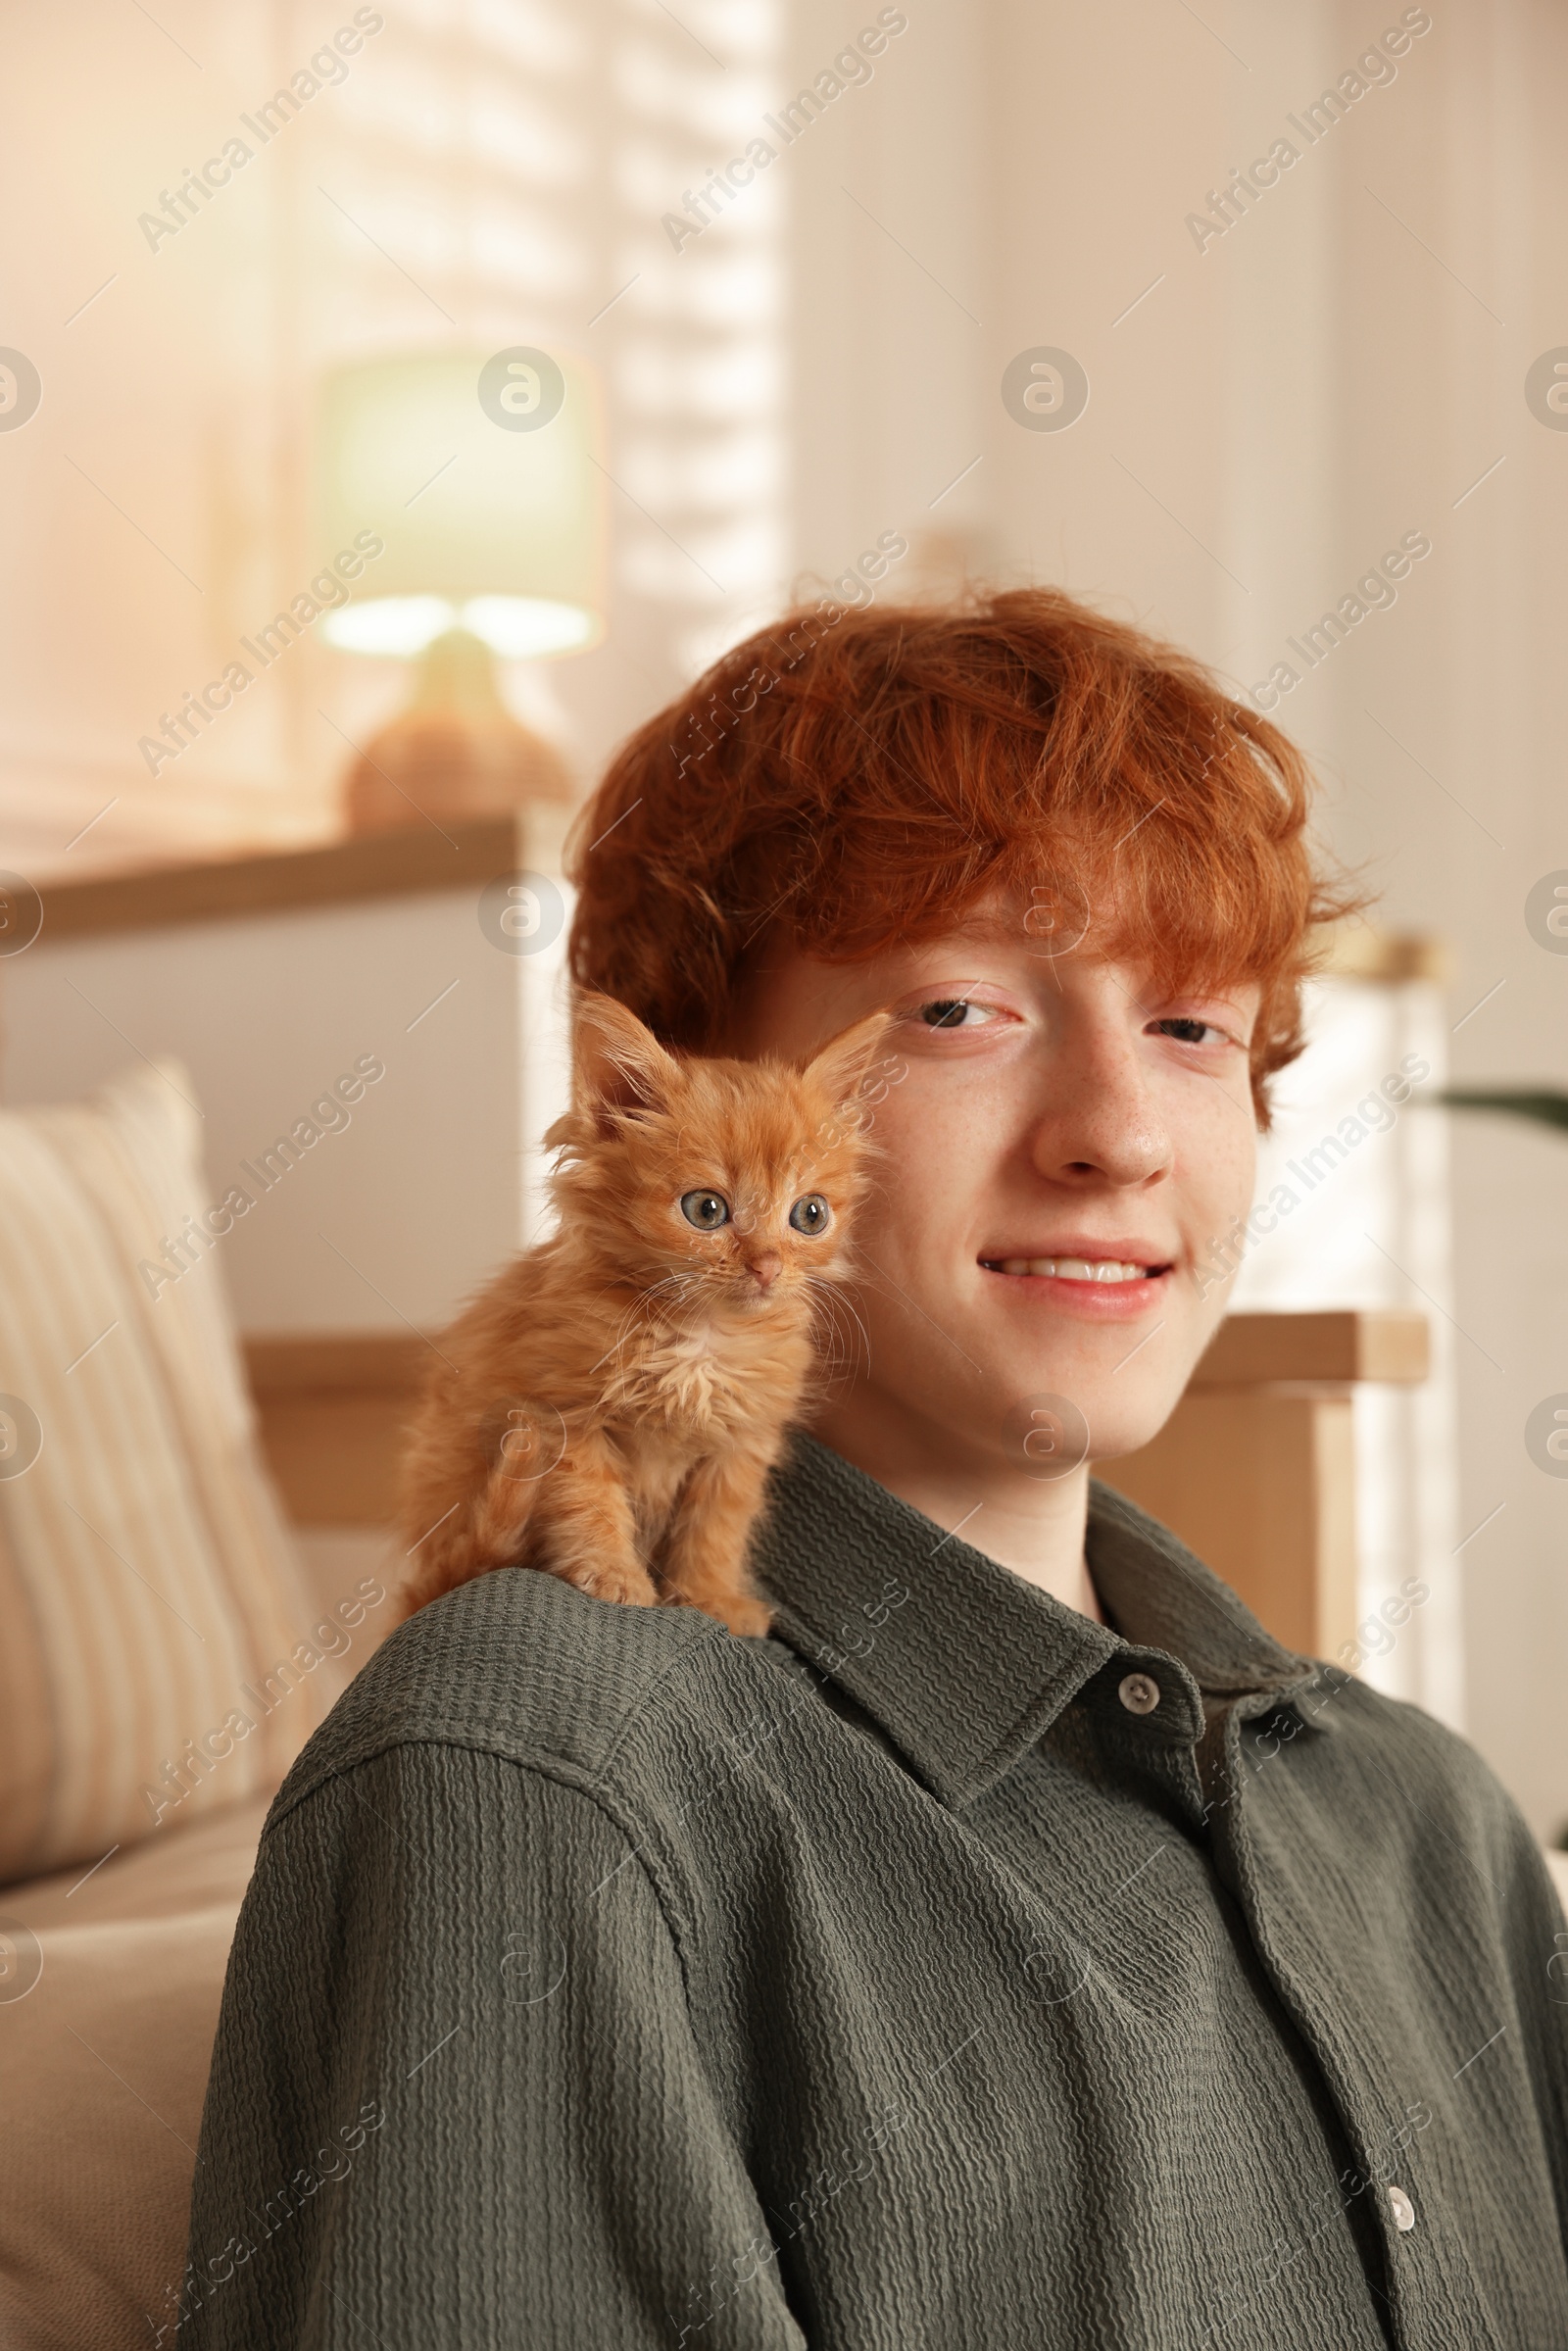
(147, 1583)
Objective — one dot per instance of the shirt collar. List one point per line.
(962, 1662)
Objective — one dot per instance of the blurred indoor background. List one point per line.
(1201, 311)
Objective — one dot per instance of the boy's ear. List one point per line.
(617, 1063)
(840, 1066)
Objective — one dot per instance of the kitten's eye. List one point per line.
(811, 1214)
(704, 1209)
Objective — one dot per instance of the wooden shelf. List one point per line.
(403, 864)
(1334, 1348)
(1359, 951)
(1254, 1470)
(293, 1363)
(331, 1412)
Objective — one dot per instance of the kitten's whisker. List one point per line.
(641, 1303)
(661, 1301)
(681, 1285)
(862, 1336)
(834, 1298)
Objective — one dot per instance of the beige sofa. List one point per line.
(103, 2061)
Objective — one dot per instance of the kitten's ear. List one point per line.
(617, 1064)
(847, 1060)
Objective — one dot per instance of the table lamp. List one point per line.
(475, 471)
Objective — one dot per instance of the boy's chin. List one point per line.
(1058, 1416)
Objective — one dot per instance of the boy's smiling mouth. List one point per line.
(1100, 1278)
(1075, 1269)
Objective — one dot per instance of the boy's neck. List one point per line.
(1034, 1527)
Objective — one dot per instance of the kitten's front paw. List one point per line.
(746, 1616)
(742, 1612)
(630, 1586)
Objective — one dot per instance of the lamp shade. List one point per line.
(475, 469)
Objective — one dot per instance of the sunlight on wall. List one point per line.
(485, 175)
(1362, 1209)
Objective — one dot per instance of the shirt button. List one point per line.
(1402, 2209)
(1138, 1692)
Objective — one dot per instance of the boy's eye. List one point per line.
(1188, 1031)
(707, 1211)
(811, 1214)
(952, 1013)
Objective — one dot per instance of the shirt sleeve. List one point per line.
(455, 2096)
(1537, 1931)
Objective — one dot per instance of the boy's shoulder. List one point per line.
(520, 1665)
(1397, 1726)
(1394, 1759)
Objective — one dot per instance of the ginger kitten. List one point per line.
(608, 1408)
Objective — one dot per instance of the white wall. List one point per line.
(386, 1222)
(1355, 1182)
(481, 176)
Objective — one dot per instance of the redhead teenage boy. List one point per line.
(1018, 1946)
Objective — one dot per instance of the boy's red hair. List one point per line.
(865, 777)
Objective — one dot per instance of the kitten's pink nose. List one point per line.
(766, 1269)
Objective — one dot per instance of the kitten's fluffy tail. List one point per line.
(475, 1536)
(452, 1541)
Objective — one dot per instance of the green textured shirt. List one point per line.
(947, 1970)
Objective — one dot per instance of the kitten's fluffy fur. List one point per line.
(608, 1408)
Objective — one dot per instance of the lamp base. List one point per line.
(456, 751)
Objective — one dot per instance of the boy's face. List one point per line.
(1048, 1125)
